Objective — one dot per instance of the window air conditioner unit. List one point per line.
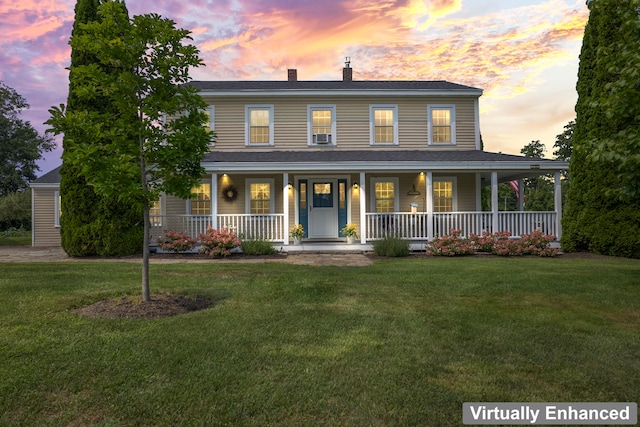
(322, 138)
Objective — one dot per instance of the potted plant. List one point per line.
(350, 231)
(297, 233)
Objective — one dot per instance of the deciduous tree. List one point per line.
(154, 103)
(20, 144)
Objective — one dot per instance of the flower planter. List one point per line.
(351, 240)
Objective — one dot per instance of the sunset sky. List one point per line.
(523, 53)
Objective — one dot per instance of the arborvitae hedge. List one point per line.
(594, 219)
(90, 224)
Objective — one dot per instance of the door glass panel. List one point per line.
(323, 195)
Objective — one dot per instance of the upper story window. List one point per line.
(441, 124)
(384, 124)
(210, 112)
(444, 197)
(200, 203)
(260, 196)
(259, 125)
(384, 194)
(322, 124)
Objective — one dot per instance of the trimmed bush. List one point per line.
(176, 241)
(391, 246)
(218, 243)
(258, 247)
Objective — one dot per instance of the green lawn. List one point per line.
(403, 342)
(23, 240)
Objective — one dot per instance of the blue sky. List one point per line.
(524, 54)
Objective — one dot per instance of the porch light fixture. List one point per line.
(290, 184)
(413, 192)
(355, 185)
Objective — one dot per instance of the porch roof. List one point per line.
(380, 160)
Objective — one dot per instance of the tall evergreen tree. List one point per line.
(596, 219)
(92, 224)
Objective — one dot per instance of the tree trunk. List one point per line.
(146, 297)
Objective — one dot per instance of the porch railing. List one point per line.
(406, 225)
(265, 227)
(414, 226)
(268, 227)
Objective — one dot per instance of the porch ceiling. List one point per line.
(508, 166)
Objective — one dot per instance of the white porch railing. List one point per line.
(414, 226)
(405, 225)
(268, 227)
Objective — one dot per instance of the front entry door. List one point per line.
(323, 208)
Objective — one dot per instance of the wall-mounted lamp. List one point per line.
(355, 185)
(421, 173)
(290, 184)
(224, 175)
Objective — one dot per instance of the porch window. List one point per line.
(201, 199)
(441, 124)
(155, 211)
(260, 197)
(259, 124)
(384, 124)
(385, 195)
(322, 124)
(444, 195)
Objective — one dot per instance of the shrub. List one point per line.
(391, 246)
(258, 247)
(535, 243)
(218, 243)
(486, 242)
(176, 241)
(452, 244)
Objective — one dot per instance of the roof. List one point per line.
(333, 156)
(353, 160)
(333, 85)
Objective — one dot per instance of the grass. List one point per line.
(23, 239)
(402, 342)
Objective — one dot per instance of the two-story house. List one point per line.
(401, 157)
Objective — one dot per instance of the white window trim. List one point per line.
(452, 109)
(190, 200)
(247, 124)
(56, 207)
(372, 125)
(310, 109)
(396, 192)
(454, 193)
(247, 192)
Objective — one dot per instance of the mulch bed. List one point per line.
(130, 307)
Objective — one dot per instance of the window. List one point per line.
(384, 124)
(201, 200)
(259, 124)
(260, 196)
(322, 124)
(384, 197)
(57, 201)
(155, 211)
(442, 124)
(210, 112)
(444, 195)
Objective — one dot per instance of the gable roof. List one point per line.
(292, 87)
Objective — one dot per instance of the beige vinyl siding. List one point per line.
(352, 121)
(45, 231)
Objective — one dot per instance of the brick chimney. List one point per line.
(347, 71)
(292, 74)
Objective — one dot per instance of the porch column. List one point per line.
(520, 195)
(214, 200)
(557, 204)
(285, 205)
(363, 209)
(429, 202)
(494, 202)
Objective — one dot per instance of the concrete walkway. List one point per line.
(56, 254)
